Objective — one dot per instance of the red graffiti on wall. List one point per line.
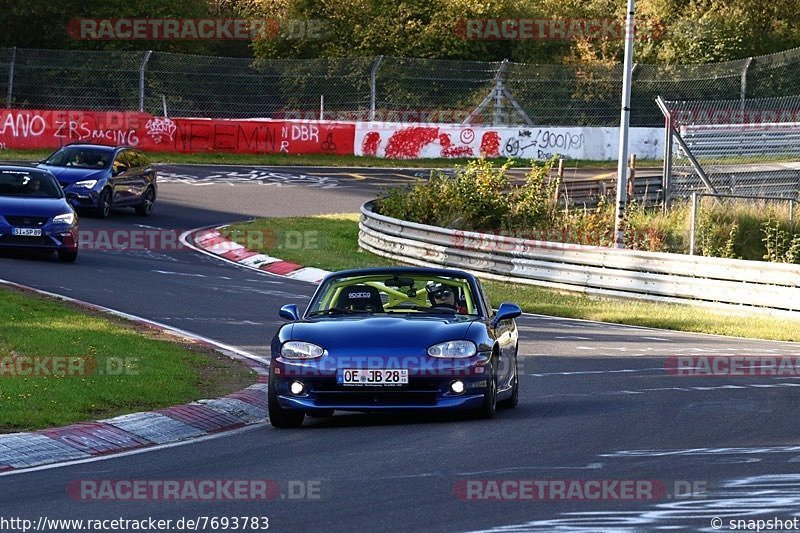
(408, 142)
(30, 129)
(448, 150)
(490, 144)
(370, 144)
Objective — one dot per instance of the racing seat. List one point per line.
(360, 298)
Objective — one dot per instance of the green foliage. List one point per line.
(481, 198)
(781, 245)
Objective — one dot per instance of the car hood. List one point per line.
(380, 334)
(34, 207)
(71, 174)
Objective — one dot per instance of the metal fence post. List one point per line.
(743, 89)
(9, 96)
(373, 91)
(145, 59)
(498, 93)
(791, 215)
(693, 223)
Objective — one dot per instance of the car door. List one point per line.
(147, 173)
(506, 334)
(120, 178)
(133, 176)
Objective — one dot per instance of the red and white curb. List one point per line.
(211, 242)
(139, 430)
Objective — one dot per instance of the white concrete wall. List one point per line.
(447, 140)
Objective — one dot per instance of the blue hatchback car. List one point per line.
(397, 338)
(35, 215)
(99, 178)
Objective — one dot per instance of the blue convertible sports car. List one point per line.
(97, 177)
(391, 339)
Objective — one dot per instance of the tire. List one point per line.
(489, 407)
(514, 400)
(103, 208)
(145, 209)
(67, 257)
(280, 417)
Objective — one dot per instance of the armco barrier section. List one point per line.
(31, 129)
(592, 269)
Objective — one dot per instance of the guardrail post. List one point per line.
(373, 90)
(145, 59)
(693, 223)
(9, 96)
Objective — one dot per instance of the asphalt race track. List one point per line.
(596, 402)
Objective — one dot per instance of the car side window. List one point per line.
(119, 161)
(142, 159)
(486, 303)
(133, 159)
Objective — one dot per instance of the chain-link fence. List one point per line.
(745, 147)
(385, 88)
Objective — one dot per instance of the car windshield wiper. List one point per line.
(338, 311)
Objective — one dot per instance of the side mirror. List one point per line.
(507, 311)
(119, 170)
(289, 312)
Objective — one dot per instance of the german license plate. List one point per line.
(372, 377)
(26, 232)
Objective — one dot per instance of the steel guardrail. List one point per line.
(590, 269)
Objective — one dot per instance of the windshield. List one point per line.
(395, 293)
(29, 184)
(80, 157)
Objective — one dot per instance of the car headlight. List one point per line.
(66, 218)
(301, 350)
(453, 349)
(86, 184)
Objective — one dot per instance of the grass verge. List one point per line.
(108, 366)
(331, 243)
(320, 160)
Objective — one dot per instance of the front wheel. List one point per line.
(145, 209)
(489, 406)
(514, 399)
(278, 416)
(103, 208)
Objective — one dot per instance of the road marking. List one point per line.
(230, 433)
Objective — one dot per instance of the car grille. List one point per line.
(26, 221)
(17, 240)
(377, 398)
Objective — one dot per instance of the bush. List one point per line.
(482, 198)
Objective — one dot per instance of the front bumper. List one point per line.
(81, 197)
(426, 390)
(54, 238)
